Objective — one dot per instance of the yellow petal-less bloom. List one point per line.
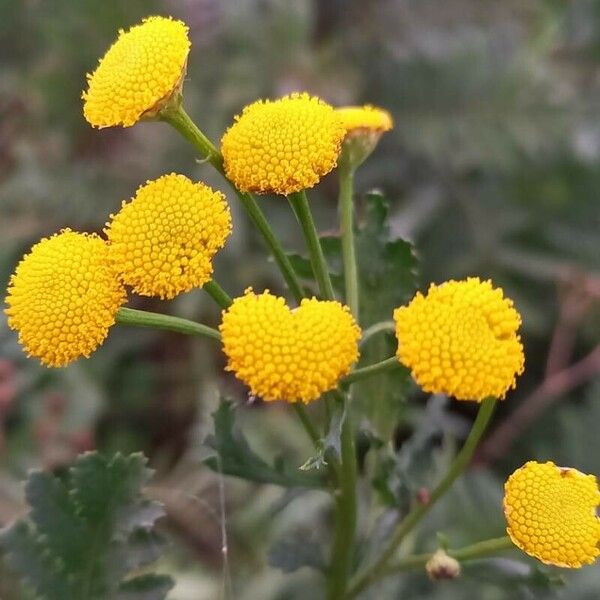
(282, 146)
(461, 339)
(369, 118)
(551, 514)
(139, 73)
(283, 354)
(163, 241)
(63, 297)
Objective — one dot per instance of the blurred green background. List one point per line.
(492, 170)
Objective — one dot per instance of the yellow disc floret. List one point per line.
(63, 297)
(139, 73)
(369, 118)
(551, 514)
(163, 241)
(282, 146)
(461, 339)
(283, 354)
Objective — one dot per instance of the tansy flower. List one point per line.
(364, 126)
(63, 297)
(461, 339)
(282, 146)
(551, 514)
(139, 74)
(283, 354)
(163, 241)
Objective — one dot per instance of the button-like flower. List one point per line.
(63, 297)
(551, 514)
(163, 241)
(139, 74)
(282, 146)
(461, 339)
(283, 354)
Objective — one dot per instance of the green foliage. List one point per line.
(235, 457)
(289, 555)
(86, 536)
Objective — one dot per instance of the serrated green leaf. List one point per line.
(235, 457)
(145, 587)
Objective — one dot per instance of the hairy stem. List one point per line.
(299, 203)
(373, 572)
(142, 318)
(181, 121)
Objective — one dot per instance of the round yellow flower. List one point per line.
(461, 339)
(63, 297)
(282, 146)
(551, 514)
(163, 241)
(367, 118)
(139, 73)
(283, 354)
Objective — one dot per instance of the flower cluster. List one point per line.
(163, 241)
(461, 339)
(284, 354)
(551, 514)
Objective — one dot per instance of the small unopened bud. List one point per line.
(442, 566)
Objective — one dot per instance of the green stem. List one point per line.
(472, 552)
(346, 212)
(142, 318)
(181, 121)
(372, 331)
(300, 410)
(460, 462)
(218, 294)
(389, 364)
(345, 514)
(299, 203)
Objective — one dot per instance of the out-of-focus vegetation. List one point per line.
(493, 169)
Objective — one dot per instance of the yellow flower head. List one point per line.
(461, 339)
(163, 241)
(63, 297)
(283, 354)
(551, 514)
(367, 118)
(139, 73)
(282, 146)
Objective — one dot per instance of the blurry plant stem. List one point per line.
(181, 121)
(142, 318)
(311, 430)
(389, 364)
(301, 208)
(345, 509)
(346, 213)
(472, 552)
(373, 572)
(218, 294)
(375, 329)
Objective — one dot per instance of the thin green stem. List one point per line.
(181, 121)
(311, 430)
(375, 329)
(299, 203)
(460, 462)
(345, 513)
(472, 552)
(218, 294)
(389, 364)
(143, 318)
(346, 212)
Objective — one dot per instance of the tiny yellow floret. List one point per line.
(461, 339)
(139, 73)
(164, 240)
(63, 297)
(366, 118)
(551, 514)
(283, 354)
(282, 146)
